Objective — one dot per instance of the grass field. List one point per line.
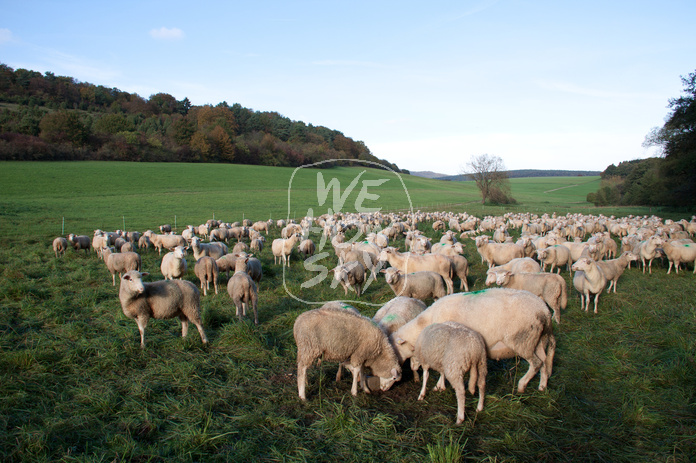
(75, 385)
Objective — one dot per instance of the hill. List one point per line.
(524, 173)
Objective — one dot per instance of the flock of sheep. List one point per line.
(456, 334)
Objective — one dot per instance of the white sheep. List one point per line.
(459, 262)
(453, 350)
(80, 242)
(519, 265)
(257, 244)
(60, 245)
(144, 242)
(120, 263)
(419, 285)
(588, 280)
(350, 275)
(165, 241)
(307, 248)
(336, 334)
(512, 322)
(397, 312)
(206, 270)
(677, 253)
(243, 290)
(614, 268)
(497, 253)
(174, 263)
(282, 248)
(410, 263)
(556, 255)
(648, 250)
(162, 299)
(214, 250)
(548, 286)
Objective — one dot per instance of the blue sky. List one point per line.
(426, 85)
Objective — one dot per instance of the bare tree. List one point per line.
(489, 173)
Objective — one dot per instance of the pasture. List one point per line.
(75, 385)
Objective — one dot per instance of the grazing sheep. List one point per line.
(614, 268)
(161, 300)
(256, 245)
(335, 334)
(261, 226)
(165, 229)
(459, 262)
(556, 255)
(410, 263)
(128, 247)
(577, 249)
(548, 286)
(419, 285)
(207, 270)
(60, 245)
(243, 290)
(144, 242)
(240, 246)
(119, 243)
(228, 262)
(588, 280)
(219, 234)
(397, 312)
(677, 253)
(350, 275)
(120, 263)
(215, 250)
(512, 322)
(453, 350)
(497, 253)
(307, 248)
(282, 248)
(80, 242)
(174, 263)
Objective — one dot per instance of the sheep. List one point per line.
(614, 268)
(253, 268)
(453, 350)
(120, 263)
(214, 250)
(174, 263)
(647, 250)
(144, 242)
(512, 322)
(548, 286)
(409, 263)
(99, 241)
(80, 242)
(307, 248)
(228, 262)
(166, 241)
(397, 312)
(556, 255)
(60, 245)
(188, 233)
(336, 334)
(207, 270)
(588, 280)
(128, 247)
(420, 285)
(165, 229)
(219, 234)
(497, 253)
(256, 244)
(282, 248)
(519, 265)
(261, 226)
(677, 253)
(577, 249)
(160, 300)
(350, 275)
(243, 290)
(420, 245)
(459, 262)
(118, 244)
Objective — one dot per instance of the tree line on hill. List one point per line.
(669, 180)
(47, 117)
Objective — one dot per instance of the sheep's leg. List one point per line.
(142, 323)
(458, 385)
(543, 372)
(535, 365)
(615, 282)
(596, 298)
(356, 372)
(113, 277)
(421, 396)
(184, 326)
(301, 380)
(440, 386)
(611, 283)
(670, 268)
(204, 338)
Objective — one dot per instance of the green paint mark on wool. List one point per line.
(389, 318)
(480, 291)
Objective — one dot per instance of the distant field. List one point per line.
(76, 387)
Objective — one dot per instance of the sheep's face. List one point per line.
(180, 252)
(133, 280)
(582, 264)
(386, 383)
(391, 275)
(491, 278)
(502, 278)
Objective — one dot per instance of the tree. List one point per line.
(677, 140)
(63, 127)
(490, 176)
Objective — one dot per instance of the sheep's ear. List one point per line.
(400, 340)
(144, 274)
(126, 277)
(383, 271)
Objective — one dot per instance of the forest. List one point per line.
(44, 117)
(668, 180)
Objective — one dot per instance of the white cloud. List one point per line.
(164, 33)
(5, 36)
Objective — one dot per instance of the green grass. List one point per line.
(75, 386)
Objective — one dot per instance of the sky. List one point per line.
(426, 85)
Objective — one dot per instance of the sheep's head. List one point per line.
(132, 280)
(391, 275)
(491, 277)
